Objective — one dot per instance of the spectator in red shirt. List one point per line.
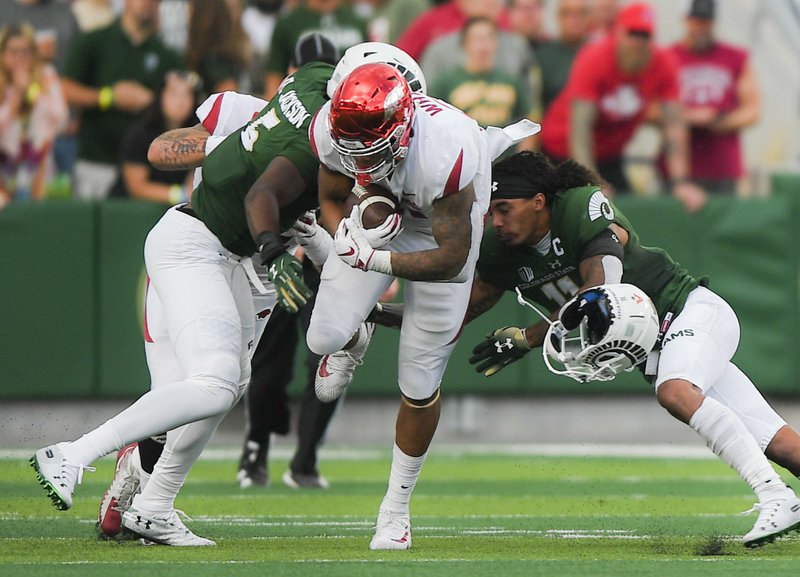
(613, 88)
(720, 97)
(445, 18)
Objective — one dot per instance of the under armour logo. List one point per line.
(509, 344)
(494, 186)
(555, 264)
(146, 523)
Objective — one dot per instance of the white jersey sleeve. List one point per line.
(226, 112)
(320, 140)
(447, 152)
(223, 114)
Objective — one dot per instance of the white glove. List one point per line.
(382, 235)
(314, 239)
(355, 250)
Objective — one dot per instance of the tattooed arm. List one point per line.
(482, 297)
(179, 149)
(452, 230)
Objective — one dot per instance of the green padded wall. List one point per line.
(71, 273)
(48, 312)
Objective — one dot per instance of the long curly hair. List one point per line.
(544, 176)
(27, 32)
(213, 31)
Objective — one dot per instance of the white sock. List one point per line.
(402, 479)
(158, 410)
(729, 439)
(93, 445)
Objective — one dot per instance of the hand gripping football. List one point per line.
(375, 204)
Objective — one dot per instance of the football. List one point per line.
(375, 204)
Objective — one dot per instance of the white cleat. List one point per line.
(162, 528)
(776, 517)
(335, 371)
(392, 531)
(57, 475)
(119, 495)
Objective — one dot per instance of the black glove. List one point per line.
(592, 304)
(501, 348)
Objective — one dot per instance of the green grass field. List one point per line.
(473, 514)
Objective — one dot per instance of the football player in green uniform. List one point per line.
(200, 320)
(554, 236)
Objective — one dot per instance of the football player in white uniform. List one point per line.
(437, 162)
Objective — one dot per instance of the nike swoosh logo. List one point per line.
(350, 252)
(404, 486)
(403, 539)
(323, 367)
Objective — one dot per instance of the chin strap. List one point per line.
(526, 303)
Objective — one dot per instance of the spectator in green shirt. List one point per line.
(555, 56)
(110, 76)
(485, 92)
(332, 18)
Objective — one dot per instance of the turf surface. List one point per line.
(473, 514)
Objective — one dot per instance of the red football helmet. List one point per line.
(370, 121)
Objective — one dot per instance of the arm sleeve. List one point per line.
(226, 112)
(452, 167)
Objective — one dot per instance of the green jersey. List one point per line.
(280, 129)
(577, 216)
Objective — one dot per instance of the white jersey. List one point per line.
(226, 112)
(222, 114)
(446, 152)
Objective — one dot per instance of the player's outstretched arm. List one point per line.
(179, 149)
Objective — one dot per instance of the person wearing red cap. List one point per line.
(615, 85)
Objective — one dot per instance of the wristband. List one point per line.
(105, 99)
(33, 92)
(176, 194)
(270, 245)
(381, 262)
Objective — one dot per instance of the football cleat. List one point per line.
(57, 475)
(162, 528)
(392, 531)
(776, 517)
(120, 493)
(253, 466)
(335, 371)
(304, 480)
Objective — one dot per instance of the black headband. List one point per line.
(512, 186)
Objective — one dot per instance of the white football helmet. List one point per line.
(612, 328)
(370, 52)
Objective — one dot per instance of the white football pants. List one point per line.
(200, 326)
(698, 347)
(432, 318)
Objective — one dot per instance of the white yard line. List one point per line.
(361, 453)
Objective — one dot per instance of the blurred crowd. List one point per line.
(85, 85)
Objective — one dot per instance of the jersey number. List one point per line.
(561, 290)
(250, 134)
